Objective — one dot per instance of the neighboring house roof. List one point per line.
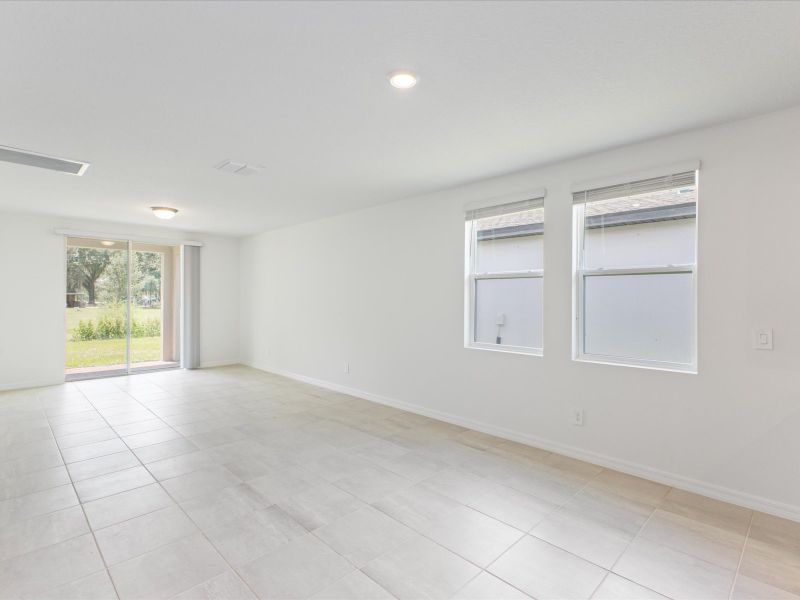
(652, 207)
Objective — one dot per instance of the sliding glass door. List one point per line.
(96, 316)
(121, 307)
(154, 307)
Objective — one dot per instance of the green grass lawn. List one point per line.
(97, 353)
(93, 313)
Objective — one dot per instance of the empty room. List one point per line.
(470, 300)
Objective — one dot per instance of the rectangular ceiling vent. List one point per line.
(229, 166)
(43, 161)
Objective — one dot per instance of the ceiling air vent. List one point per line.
(34, 159)
(229, 166)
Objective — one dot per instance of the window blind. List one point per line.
(643, 186)
(504, 209)
(190, 313)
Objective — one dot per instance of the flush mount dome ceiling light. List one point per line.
(107, 243)
(164, 212)
(402, 80)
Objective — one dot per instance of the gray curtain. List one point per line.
(190, 313)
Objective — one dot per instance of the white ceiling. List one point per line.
(154, 94)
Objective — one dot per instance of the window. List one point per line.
(635, 272)
(505, 276)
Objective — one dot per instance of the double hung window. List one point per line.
(635, 272)
(505, 276)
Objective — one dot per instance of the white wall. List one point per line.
(33, 284)
(383, 289)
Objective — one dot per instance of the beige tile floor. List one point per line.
(234, 483)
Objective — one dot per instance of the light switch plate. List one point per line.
(762, 339)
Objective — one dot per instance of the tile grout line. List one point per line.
(524, 534)
(633, 539)
(83, 511)
(676, 550)
(155, 481)
(177, 504)
(741, 554)
(378, 583)
(558, 509)
(245, 406)
(371, 505)
(417, 532)
(502, 554)
(481, 569)
(599, 585)
(366, 505)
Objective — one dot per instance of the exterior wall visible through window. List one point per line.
(505, 272)
(635, 266)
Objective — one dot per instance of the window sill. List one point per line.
(506, 349)
(652, 366)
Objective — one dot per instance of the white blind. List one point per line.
(190, 313)
(504, 209)
(643, 186)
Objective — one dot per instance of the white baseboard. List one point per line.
(218, 363)
(688, 484)
(23, 385)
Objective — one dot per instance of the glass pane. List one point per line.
(653, 229)
(645, 317)
(96, 312)
(510, 242)
(146, 304)
(508, 312)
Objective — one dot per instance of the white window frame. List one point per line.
(581, 273)
(472, 277)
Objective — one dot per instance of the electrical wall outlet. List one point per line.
(577, 417)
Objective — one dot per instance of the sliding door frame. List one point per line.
(179, 313)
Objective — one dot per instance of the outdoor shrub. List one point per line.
(85, 331)
(137, 330)
(152, 328)
(112, 326)
(109, 327)
(148, 328)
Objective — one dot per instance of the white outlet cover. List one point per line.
(762, 339)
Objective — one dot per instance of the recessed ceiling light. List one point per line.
(107, 243)
(402, 80)
(164, 212)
